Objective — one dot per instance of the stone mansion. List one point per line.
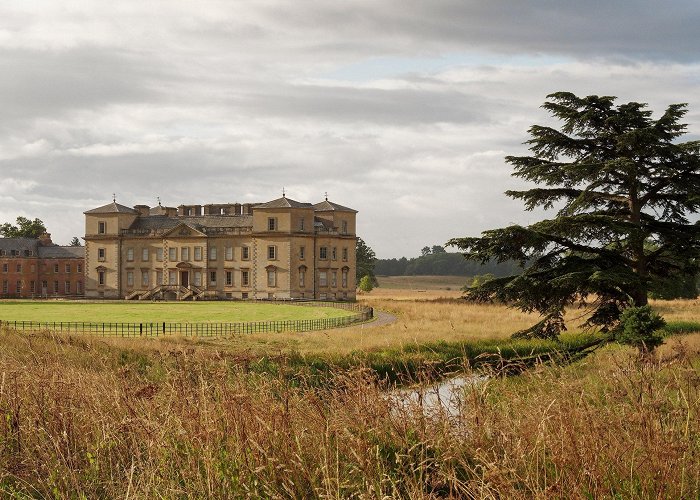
(280, 249)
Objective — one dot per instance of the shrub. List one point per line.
(639, 327)
(366, 283)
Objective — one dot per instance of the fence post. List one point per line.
(141, 329)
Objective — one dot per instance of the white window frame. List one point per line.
(130, 254)
(212, 253)
(185, 254)
(323, 253)
(172, 254)
(322, 278)
(197, 253)
(272, 223)
(228, 253)
(145, 255)
(272, 252)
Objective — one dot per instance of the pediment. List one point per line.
(184, 230)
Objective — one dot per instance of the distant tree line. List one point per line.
(436, 261)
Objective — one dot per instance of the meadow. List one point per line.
(248, 418)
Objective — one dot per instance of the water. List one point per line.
(443, 396)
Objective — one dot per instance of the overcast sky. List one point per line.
(401, 109)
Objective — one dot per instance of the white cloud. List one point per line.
(401, 109)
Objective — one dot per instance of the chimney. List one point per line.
(143, 210)
(45, 240)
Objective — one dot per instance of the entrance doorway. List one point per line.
(185, 278)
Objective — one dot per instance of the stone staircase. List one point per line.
(181, 292)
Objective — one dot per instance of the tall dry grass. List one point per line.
(89, 418)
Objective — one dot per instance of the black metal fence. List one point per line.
(151, 329)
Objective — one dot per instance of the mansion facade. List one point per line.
(37, 268)
(282, 249)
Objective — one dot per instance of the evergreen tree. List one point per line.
(624, 186)
(75, 242)
(365, 259)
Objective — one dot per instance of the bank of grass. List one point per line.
(155, 312)
(96, 418)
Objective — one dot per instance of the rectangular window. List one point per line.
(55, 268)
(197, 253)
(159, 254)
(145, 255)
(271, 224)
(334, 278)
(144, 278)
(271, 252)
(245, 278)
(100, 278)
(79, 287)
(212, 277)
(302, 278)
(229, 278)
(101, 254)
(344, 227)
(323, 278)
(197, 278)
(323, 253)
(244, 295)
(101, 227)
(67, 268)
(185, 253)
(5, 268)
(301, 224)
(5, 287)
(302, 251)
(212, 253)
(66, 287)
(345, 254)
(172, 254)
(130, 278)
(18, 287)
(32, 286)
(345, 279)
(271, 277)
(334, 253)
(172, 278)
(229, 253)
(45, 286)
(55, 287)
(32, 268)
(129, 254)
(19, 268)
(245, 253)
(159, 278)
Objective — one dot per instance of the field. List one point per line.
(173, 312)
(424, 283)
(312, 415)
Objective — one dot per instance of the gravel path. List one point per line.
(382, 319)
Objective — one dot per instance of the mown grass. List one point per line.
(90, 418)
(174, 312)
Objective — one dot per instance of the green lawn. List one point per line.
(173, 312)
